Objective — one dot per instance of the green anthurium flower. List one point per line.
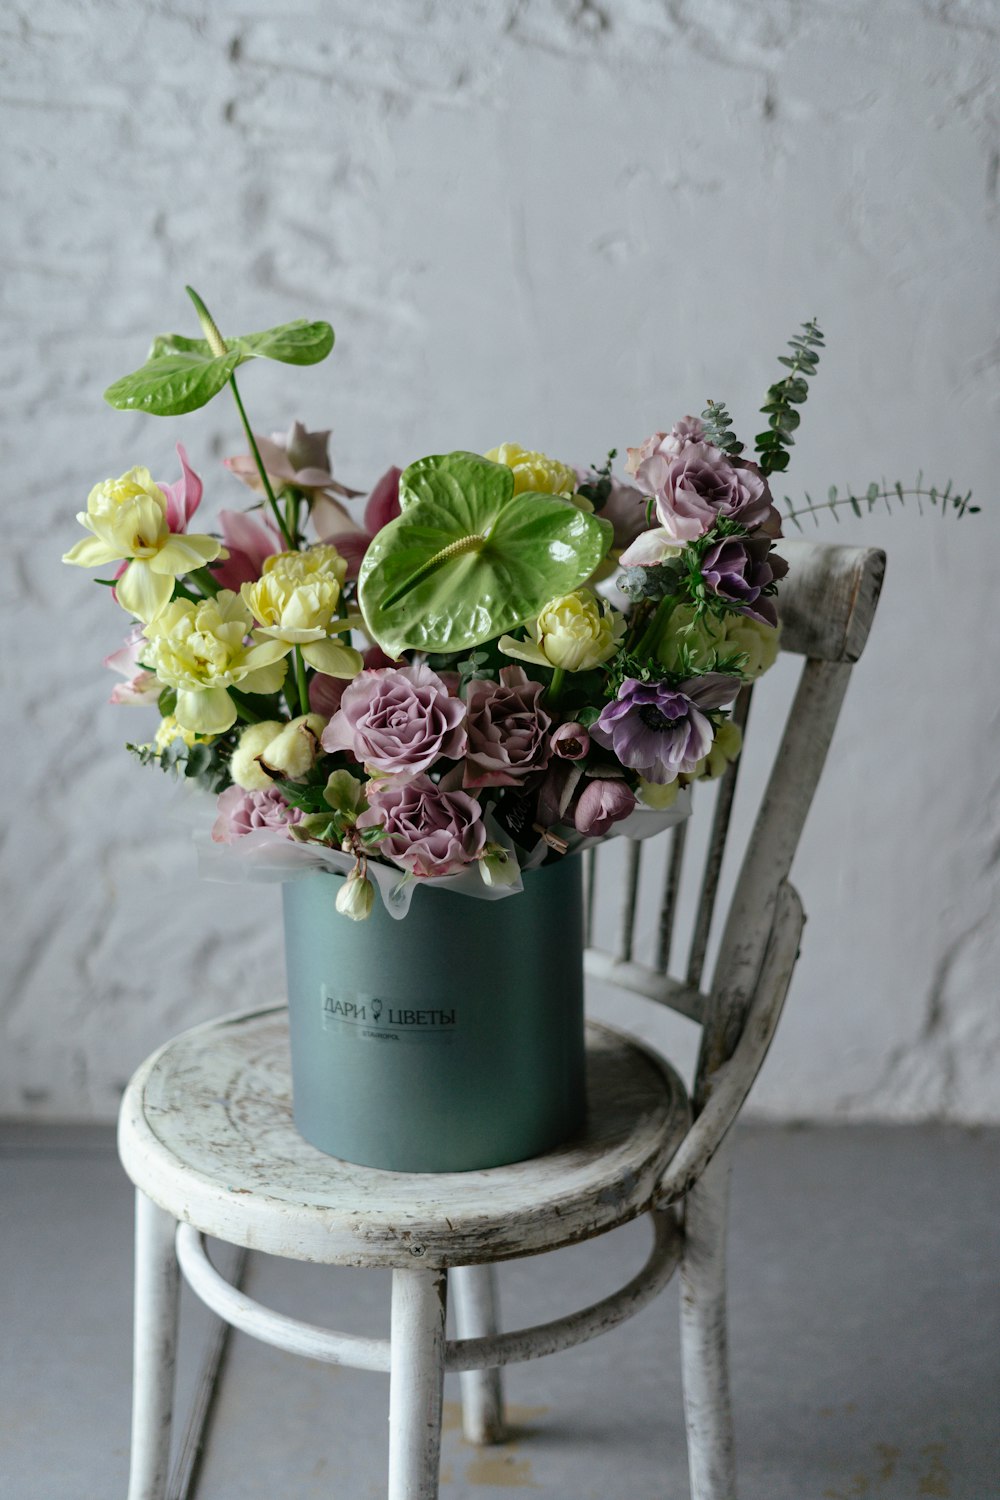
(467, 559)
(181, 374)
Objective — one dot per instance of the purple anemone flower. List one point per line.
(660, 731)
(739, 569)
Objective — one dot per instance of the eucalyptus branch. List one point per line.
(718, 425)
(784, 396)
(883, 493)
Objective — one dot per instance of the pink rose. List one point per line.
(701, 484)
(243, 812)
(398, 720)
(428, 831)
(508, 729)
(670, 444)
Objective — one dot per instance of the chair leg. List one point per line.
(155, 1349)
(477, 1315)
(707, 1411)
(416, 1383)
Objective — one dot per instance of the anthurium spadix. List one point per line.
(181, 374)
(468, 559)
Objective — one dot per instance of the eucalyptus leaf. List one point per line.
(467, 559)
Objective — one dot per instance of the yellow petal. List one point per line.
(208, 712)
(91, 553)
(333, 658)
(523, 651)
(144, 593)
(182, 553)
(266, 679)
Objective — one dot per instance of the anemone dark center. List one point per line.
(654, 719)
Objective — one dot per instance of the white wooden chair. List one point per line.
(206, 1136)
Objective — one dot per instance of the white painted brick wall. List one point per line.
(554, 221)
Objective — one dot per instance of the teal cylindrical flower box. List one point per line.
(449, 1040)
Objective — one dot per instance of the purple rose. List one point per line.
(661, 731)
(428, 832)
(398, 720)
(739, 569)
(508, 729)
(701, 484)
(601, 803)
(243, 812)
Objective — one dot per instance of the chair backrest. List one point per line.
(827, 604)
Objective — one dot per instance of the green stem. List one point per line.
(203, 578)
(300, 682)
(651, 634)
(260, 466)
(556, 685)
(244, 711)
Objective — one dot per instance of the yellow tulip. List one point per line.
(128, 519)
(574, 632)
(199, 648)
(535, 471)
(295, 601)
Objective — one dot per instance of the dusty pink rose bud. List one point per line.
(428, 832)
(508, 729)
(571, 741)
(398, 720)
(242, 812)
(601, 804)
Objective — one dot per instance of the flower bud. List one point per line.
(498, 866)
(293, 752)
(244, 767)
(571, 741)
(356, 897)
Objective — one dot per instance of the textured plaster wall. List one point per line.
(556, 221)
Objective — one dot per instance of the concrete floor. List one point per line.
(865, 1337)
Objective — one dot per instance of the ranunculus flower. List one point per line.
(739, 568)
(398, 721)
(242, 812)
(535, 471)
(602, 802)
(661, 731)
(575, 632)
(508, 729)
(250, 541)
(353, 541)
(428, 831)
(128, 519)
(690, 640)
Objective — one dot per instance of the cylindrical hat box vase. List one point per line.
(443, 1042)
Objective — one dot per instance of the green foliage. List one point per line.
(182, 374)
(718, 426)
(598, 490)
(467, 559)
(958, 504)
(207, 765)
(782, 419)
(654, 582)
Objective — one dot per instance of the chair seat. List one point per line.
(206, 1132)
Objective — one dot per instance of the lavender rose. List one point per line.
(661, 731)
(508, 730)
(428, 832)
(701, 484)
(739, 569)
(242, 812)
(398, 720)
(688, 430)
(602, 802)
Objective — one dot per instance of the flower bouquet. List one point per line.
(493, 661)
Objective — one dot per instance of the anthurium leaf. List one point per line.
(182, 374)
(298, 343)
(171, 384)
(467, 559)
